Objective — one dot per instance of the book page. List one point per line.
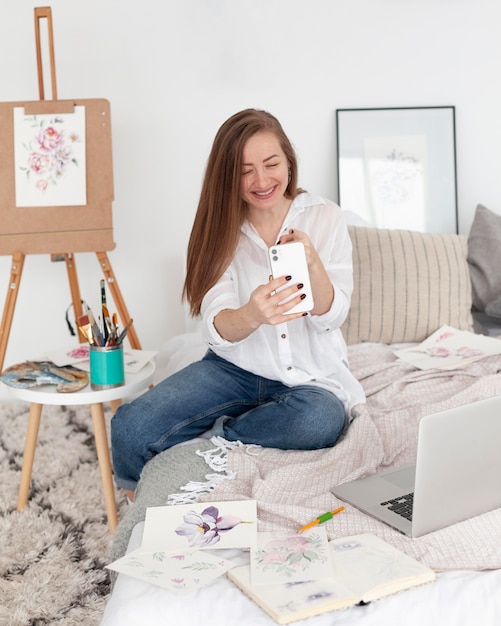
(291, 601)
(370, 567)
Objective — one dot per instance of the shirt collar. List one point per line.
(300, 203)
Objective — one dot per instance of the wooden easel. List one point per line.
(19, 256)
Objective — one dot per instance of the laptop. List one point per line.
(457, 473)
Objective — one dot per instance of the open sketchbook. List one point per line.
(366, 568)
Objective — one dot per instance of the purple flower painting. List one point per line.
(201, 525)
(205, 528)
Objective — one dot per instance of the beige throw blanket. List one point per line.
(292, 488)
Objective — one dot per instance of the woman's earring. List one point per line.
(290, 175)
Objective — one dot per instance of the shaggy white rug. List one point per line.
(53, 553)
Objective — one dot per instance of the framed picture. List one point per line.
(397, 167)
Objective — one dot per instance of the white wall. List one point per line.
(175, 70)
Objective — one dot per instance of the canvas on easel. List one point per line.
(56, 182)
(33, 173)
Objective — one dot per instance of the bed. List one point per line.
(407, 284)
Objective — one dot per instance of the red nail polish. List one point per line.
(288, 277)
(300, 285)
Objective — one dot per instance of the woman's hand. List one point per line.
(265, 306)
(297, 235)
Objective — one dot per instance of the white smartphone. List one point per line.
(289, 259)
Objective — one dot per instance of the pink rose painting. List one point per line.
(50, 158)
(292, 557)
(50, 152)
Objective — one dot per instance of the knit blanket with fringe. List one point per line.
(292, 487)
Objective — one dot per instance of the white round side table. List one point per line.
(37, 397)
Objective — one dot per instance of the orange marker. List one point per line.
(322, 518)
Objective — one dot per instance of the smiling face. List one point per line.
(265, 174)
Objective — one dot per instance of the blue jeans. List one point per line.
(252, 410)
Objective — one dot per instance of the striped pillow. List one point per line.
(406, 285)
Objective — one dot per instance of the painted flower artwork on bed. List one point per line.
(50, 158)
(291, 558)
(205, 528)
(200, 526)
(449, 348)
(179, 573)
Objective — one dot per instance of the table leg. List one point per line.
(29, 454)
(103, 455)
(114, 405)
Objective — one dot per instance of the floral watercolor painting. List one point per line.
(50, 156)
(291, 558)
(179, 573)
(206, 528)
(449, 348)
(198, 526)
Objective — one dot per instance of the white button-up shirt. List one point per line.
(308, 350)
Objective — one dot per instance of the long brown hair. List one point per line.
(221, 211)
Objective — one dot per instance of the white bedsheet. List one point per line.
(456, 598)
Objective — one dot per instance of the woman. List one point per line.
(269, 377)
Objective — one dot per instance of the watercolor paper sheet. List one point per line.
(291, 558)
(201, 525)
(179, 573)
(49, 159)
(449, 348)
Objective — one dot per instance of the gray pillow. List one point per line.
(484, 257)
(494, 308)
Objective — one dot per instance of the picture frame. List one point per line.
(396, 167)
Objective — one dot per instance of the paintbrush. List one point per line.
(121, 336)
(112, 338)
(96, 333)
(106, 315)
(85, 327)
(89, 328)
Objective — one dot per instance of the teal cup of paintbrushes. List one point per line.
(106, 366)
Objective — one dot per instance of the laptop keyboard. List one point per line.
(402, 505)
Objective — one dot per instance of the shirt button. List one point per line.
(283, 335)
(289, 368)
